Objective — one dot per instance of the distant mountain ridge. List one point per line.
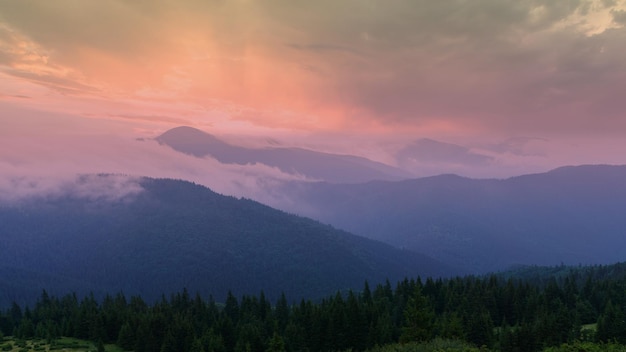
(176, 234)
(312, 164)
(571, 214)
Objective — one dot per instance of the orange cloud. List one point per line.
(499, 65)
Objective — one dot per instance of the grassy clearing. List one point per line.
(65, 344)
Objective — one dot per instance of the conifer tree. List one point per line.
(276, 344)
(282, 312)
(126, 337)
(418, 318)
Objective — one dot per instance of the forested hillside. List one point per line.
(579, 305)
(176, 234)
(570, 215)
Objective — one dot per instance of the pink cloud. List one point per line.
(383, 73)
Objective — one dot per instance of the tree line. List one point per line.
(518, 312)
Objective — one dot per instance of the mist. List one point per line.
(34, 163)
(45, 154)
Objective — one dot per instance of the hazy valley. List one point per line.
(568, 215)
(167, 234)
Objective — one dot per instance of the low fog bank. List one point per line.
(69, 165)
(43, 155)
(59, 164)
(103, 187)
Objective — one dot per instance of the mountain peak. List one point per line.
(190, 140)
(185, 132)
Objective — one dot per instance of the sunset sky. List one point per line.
(530, 85)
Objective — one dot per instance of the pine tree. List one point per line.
(126, 337)
(480, 328)
(276, 344)
(611, 324)
(282, 312)
(231, 308)
(418, 318)
(169, 342)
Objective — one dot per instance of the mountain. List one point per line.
(175, 234)
(569, 215)
(312, 164)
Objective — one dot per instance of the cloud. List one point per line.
(494, 66)
(323, 48)
(427, 157)
(521, 146)
(151, 118)
(619, 16)
(506, 65)
(14, 189)
(41, 154)
(62, 85)
(435, 152)
(482, 68)
(34, 163)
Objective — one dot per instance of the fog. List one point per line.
(35, 164)
(45, 154)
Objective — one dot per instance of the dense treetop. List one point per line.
(583, 306)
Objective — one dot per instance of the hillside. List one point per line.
(176, 234)
(570, 215)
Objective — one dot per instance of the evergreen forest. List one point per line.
(529, 309)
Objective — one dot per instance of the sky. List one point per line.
(483, 88)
